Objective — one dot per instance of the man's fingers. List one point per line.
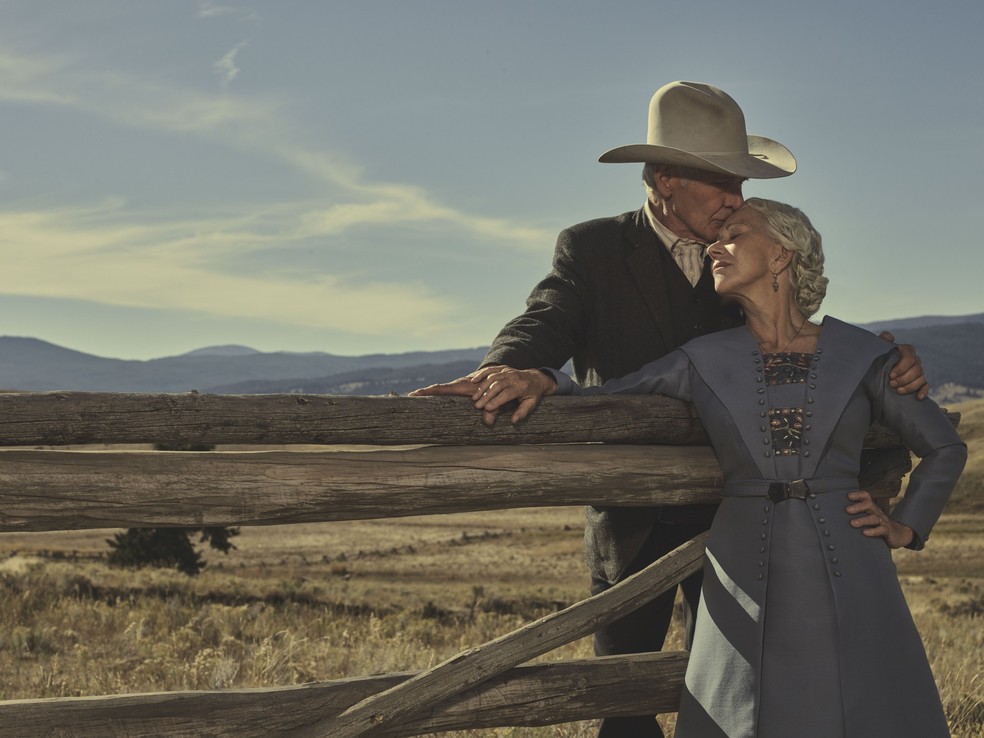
(463, 387)
(527, 406)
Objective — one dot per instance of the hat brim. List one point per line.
(766, 159)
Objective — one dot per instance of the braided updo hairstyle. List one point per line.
(793, 230)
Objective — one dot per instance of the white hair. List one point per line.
(794, 231)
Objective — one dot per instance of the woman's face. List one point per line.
(744, 256)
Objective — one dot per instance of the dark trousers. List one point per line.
(645, 629)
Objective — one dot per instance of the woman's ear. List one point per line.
(783, 259)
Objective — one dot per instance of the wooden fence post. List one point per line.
(375, 714)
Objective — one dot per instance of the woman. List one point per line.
(802, 628)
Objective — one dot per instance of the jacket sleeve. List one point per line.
(670, 376)
(929, 434)
(548, 333)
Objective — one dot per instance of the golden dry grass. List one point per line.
(322, 601)
(969, 495)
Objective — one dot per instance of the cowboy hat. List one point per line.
(693, 124)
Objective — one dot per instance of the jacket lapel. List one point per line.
(844, 354)
(646, 267)
(729, 363)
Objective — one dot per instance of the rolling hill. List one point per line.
(952, 350)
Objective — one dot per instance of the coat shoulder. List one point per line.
(852, 340)
(600, 232)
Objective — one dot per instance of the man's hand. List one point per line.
(498, 385)
(461, 387)
(907, 375)
(493, 386)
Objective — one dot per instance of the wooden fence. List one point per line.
(627, 451)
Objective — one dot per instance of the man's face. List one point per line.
(700, 205)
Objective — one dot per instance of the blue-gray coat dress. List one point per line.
(802, 628)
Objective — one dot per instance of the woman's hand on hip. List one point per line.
(873, 521)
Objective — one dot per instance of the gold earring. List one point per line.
(775, 282)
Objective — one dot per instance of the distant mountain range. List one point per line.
(35, 365)
(926, 321)
(952, 350)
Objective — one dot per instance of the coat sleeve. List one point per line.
(670, 376)
(926, 430)
(548, 333)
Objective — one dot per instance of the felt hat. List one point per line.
(696, 125)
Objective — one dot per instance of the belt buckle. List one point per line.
(797, 489)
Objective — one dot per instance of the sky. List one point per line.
(368, 176)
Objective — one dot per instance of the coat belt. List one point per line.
(778, 490)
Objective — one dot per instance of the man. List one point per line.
(626, 290)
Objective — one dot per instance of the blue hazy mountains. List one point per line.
(952, 349)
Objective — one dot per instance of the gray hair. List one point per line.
(793, 230)
(651, 169)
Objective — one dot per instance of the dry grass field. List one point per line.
(315, 602)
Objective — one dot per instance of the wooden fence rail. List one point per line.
(573, 451)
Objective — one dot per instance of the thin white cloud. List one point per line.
(89, 254)
(255, 125)
(209, 9)
(110, 255)
(226, 67)
(27, 79)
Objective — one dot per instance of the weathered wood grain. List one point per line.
(71, 490)
(391, 708)
(540, 694)
(54, 490)
(63, 418)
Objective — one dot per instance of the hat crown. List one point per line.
(698, 118)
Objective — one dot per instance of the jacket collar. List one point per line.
(844, 353)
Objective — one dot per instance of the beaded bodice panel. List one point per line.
(786, 375)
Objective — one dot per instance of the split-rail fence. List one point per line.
(627, 451)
